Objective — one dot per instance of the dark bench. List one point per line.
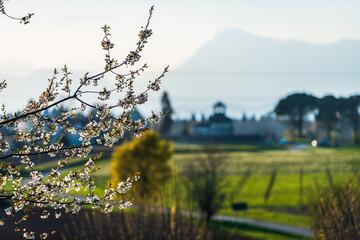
(239, 206)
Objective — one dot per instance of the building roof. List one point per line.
(219, 104)
(219, 118)
(219, 113)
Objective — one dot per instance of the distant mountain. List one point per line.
(251, 74)
(237, 51)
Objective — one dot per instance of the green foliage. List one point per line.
(148, 155)
(336, 213)
(166, 122)
(349, 108)
(331, 110)
(328, 113)
(295, 107)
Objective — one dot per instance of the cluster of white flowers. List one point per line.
(31, 134)
(29, 235)
(25, 19)
(3, 85)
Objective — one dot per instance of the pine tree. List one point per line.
(166, 122)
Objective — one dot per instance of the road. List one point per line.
(272, 226)
(298, 147)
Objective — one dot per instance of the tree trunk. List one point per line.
(328, 131)
(208, 216)
(300, 128)
(356, 133)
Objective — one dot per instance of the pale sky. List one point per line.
(68, 32)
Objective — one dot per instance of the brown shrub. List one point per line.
(336, 213)
(140, 224)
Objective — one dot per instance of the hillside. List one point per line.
(237, 51)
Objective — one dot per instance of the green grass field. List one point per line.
(297, 176)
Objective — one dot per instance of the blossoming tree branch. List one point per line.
(27, 192)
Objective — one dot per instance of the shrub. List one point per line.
(141, 225)
(336, 213)
(148, 155)
(145, 223)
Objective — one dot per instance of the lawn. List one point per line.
(297, 176)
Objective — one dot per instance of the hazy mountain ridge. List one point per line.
(235, 50)
(251, 74)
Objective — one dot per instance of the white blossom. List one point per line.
(8, 210)
(34, 134)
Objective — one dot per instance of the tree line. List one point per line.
(328, 111)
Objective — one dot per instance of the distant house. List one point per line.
(202, 129)
(265, 128)
(218, 125)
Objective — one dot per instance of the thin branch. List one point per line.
(34, 112)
